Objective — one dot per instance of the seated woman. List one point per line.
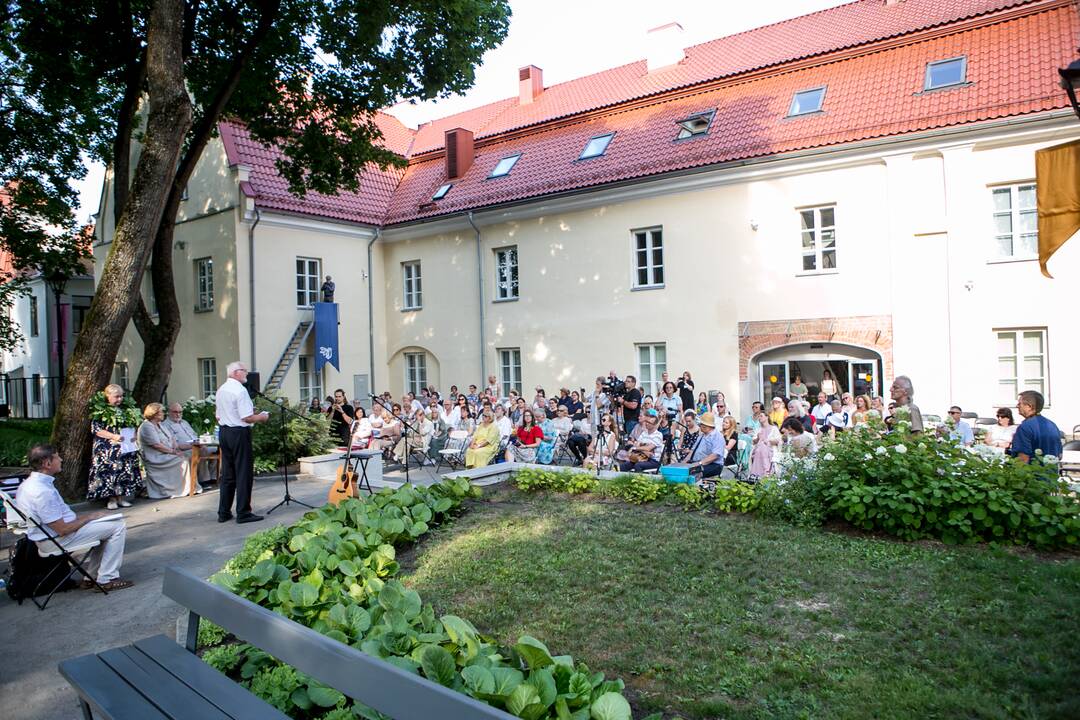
(765, 444)
(799, 442)
(778, 413)
(362, 430)
(546, 450)
(604, 445)
(419, 436)
(529, 435)
(730, 431)
(389, 433)
(166, 465)
(485, 442)
(689, 437)
(861, 416)
(1001, 435)
(702, 404)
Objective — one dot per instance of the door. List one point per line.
(774, 380)
(864, 378)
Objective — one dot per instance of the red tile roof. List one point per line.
(872, 93)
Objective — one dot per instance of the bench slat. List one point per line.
(212, 685)
(108, 695)
(385, 687)
(169, 694)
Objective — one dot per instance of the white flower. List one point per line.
(867, 456)
(961, 463)
(900, 449)
(881, 450)
(1050, 459)
(922, 446)
(941, 471)
(829, 457)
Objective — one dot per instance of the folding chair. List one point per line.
(500, 454)
(741, 468)
(69, 553)
(562, 449)
(453, 453)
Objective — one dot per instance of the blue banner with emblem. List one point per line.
(326, 335)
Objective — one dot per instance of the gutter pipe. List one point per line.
(480, 294)
(371, 311)
(251, 283)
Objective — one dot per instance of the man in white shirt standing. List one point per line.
(38, 498)
(235, 416)
(821, 411)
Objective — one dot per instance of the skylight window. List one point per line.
(946, 73)
(505, 166)
(695, 125)
(807, 101)
(596, 147)
(441, 192)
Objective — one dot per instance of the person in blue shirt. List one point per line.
(1036, 432)
(961, 432)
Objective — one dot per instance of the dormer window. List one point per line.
(697, 124)
(505, 166)
(441, 192)
(946, 73)
(596, 147)
(807, 101)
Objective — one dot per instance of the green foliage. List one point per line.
(210, 634)
(334, 571)
(921, 486)
(734, 496)
(634, 488)
(691, 497)
(125, 415)
(303, 437)
(568, 481)
(18, 436)
(201, 414)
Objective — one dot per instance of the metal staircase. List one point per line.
(299, 336)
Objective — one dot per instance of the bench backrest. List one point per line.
(385, 687)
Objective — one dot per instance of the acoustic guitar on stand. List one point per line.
(344, 486)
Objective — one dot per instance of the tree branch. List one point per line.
(135, 73)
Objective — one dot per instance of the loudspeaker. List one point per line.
(252, 384)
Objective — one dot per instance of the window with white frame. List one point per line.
(696, 125)
(310, 379)
(1021, 364)
(510, 370)
(652, 364)
(204, 284)
(648, 257)
(506, 273)
(415, 372)
(1016, 221)
(596, 146)
(120, 375)
(208, 376)
(807, 101)
(504, 166)
(33, 316)
(308, 271)
(410, 280)
(946, 73)
(818, 226)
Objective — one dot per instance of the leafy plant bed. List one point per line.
(731, 616)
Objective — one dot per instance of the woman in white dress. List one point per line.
(165, 463)
(1001, 435)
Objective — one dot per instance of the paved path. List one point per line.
(181, 532)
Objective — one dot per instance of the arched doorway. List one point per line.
(855, 369)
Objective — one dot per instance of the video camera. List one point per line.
(614, 387)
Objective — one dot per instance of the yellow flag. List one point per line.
(1057, 190)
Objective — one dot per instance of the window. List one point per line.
(506, 274)
(307, 281)
(441, 192)
(204, 284)
(505, 166)
(415, 372)
(208, 376)
(596, 147)
(652, 364)
(35, 389)
(818, 239)
(695, 125)
(33, 316)
(510, 370)
(648, 257)
(807, 101)
(80, 307)
(1021, 364)
(120, 375)
(946, 73)
(410, 273)
(1016, 221)
(310, 380)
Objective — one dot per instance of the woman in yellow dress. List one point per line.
(485, 442)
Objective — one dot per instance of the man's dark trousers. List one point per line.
(236, 471)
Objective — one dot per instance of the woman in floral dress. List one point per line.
(113, 475)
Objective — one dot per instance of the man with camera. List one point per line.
(644, 452)
(341, 415)
(630, 402)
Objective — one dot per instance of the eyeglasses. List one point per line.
(954, 412)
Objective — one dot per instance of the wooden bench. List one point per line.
(157, 678)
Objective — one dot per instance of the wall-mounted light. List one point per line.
(180, 244)
(969, 285)
(753, 224)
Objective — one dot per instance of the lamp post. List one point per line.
(1070, 81)
(57, 282)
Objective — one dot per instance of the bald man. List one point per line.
(186, 438)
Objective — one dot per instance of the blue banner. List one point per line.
(326, 335)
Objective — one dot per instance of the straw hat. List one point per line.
(707, 419)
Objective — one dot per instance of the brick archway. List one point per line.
(873, 332)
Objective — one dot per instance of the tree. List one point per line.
(305, 75)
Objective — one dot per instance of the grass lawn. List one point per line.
(707, 616)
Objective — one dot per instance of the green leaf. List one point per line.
(611, 706)
(407, 664)
(478, 679)
(506, 679)
(324, 696)
(438, 665)
(562, 712)
(301, 699)
(303, 594)
(263, 572)
(348, 568)
(359, 620)
(391, 596)
(534, 652)
(580, 685)
(522, 696)
(544, 682)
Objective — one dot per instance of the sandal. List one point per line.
(117, 584)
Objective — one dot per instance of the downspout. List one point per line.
(371, 312)
(480, 293)
(251, 283)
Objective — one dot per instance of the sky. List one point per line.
(568, 39)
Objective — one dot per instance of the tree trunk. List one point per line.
(118, 292)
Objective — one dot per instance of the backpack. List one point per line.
(27, 570)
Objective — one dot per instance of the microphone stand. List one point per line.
(280, 403)
(405, 435)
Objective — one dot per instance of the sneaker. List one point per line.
(124, 503)
(112, 505)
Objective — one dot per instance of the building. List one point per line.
(851, 190)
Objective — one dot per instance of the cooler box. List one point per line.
(679, 473)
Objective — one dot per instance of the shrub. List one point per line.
(798, 499)
(18, 436)
(734, 496)
(201, 414)
(691, 497)
(568, 481)
(633, 488)
(303, 437)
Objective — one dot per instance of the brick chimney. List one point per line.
(459, 152)
(530, 84)
(664, 46)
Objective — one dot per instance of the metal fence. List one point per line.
(29, 397)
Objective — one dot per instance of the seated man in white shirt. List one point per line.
(503, 423)
(186, 438)
(39, 499)
(650, 443)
